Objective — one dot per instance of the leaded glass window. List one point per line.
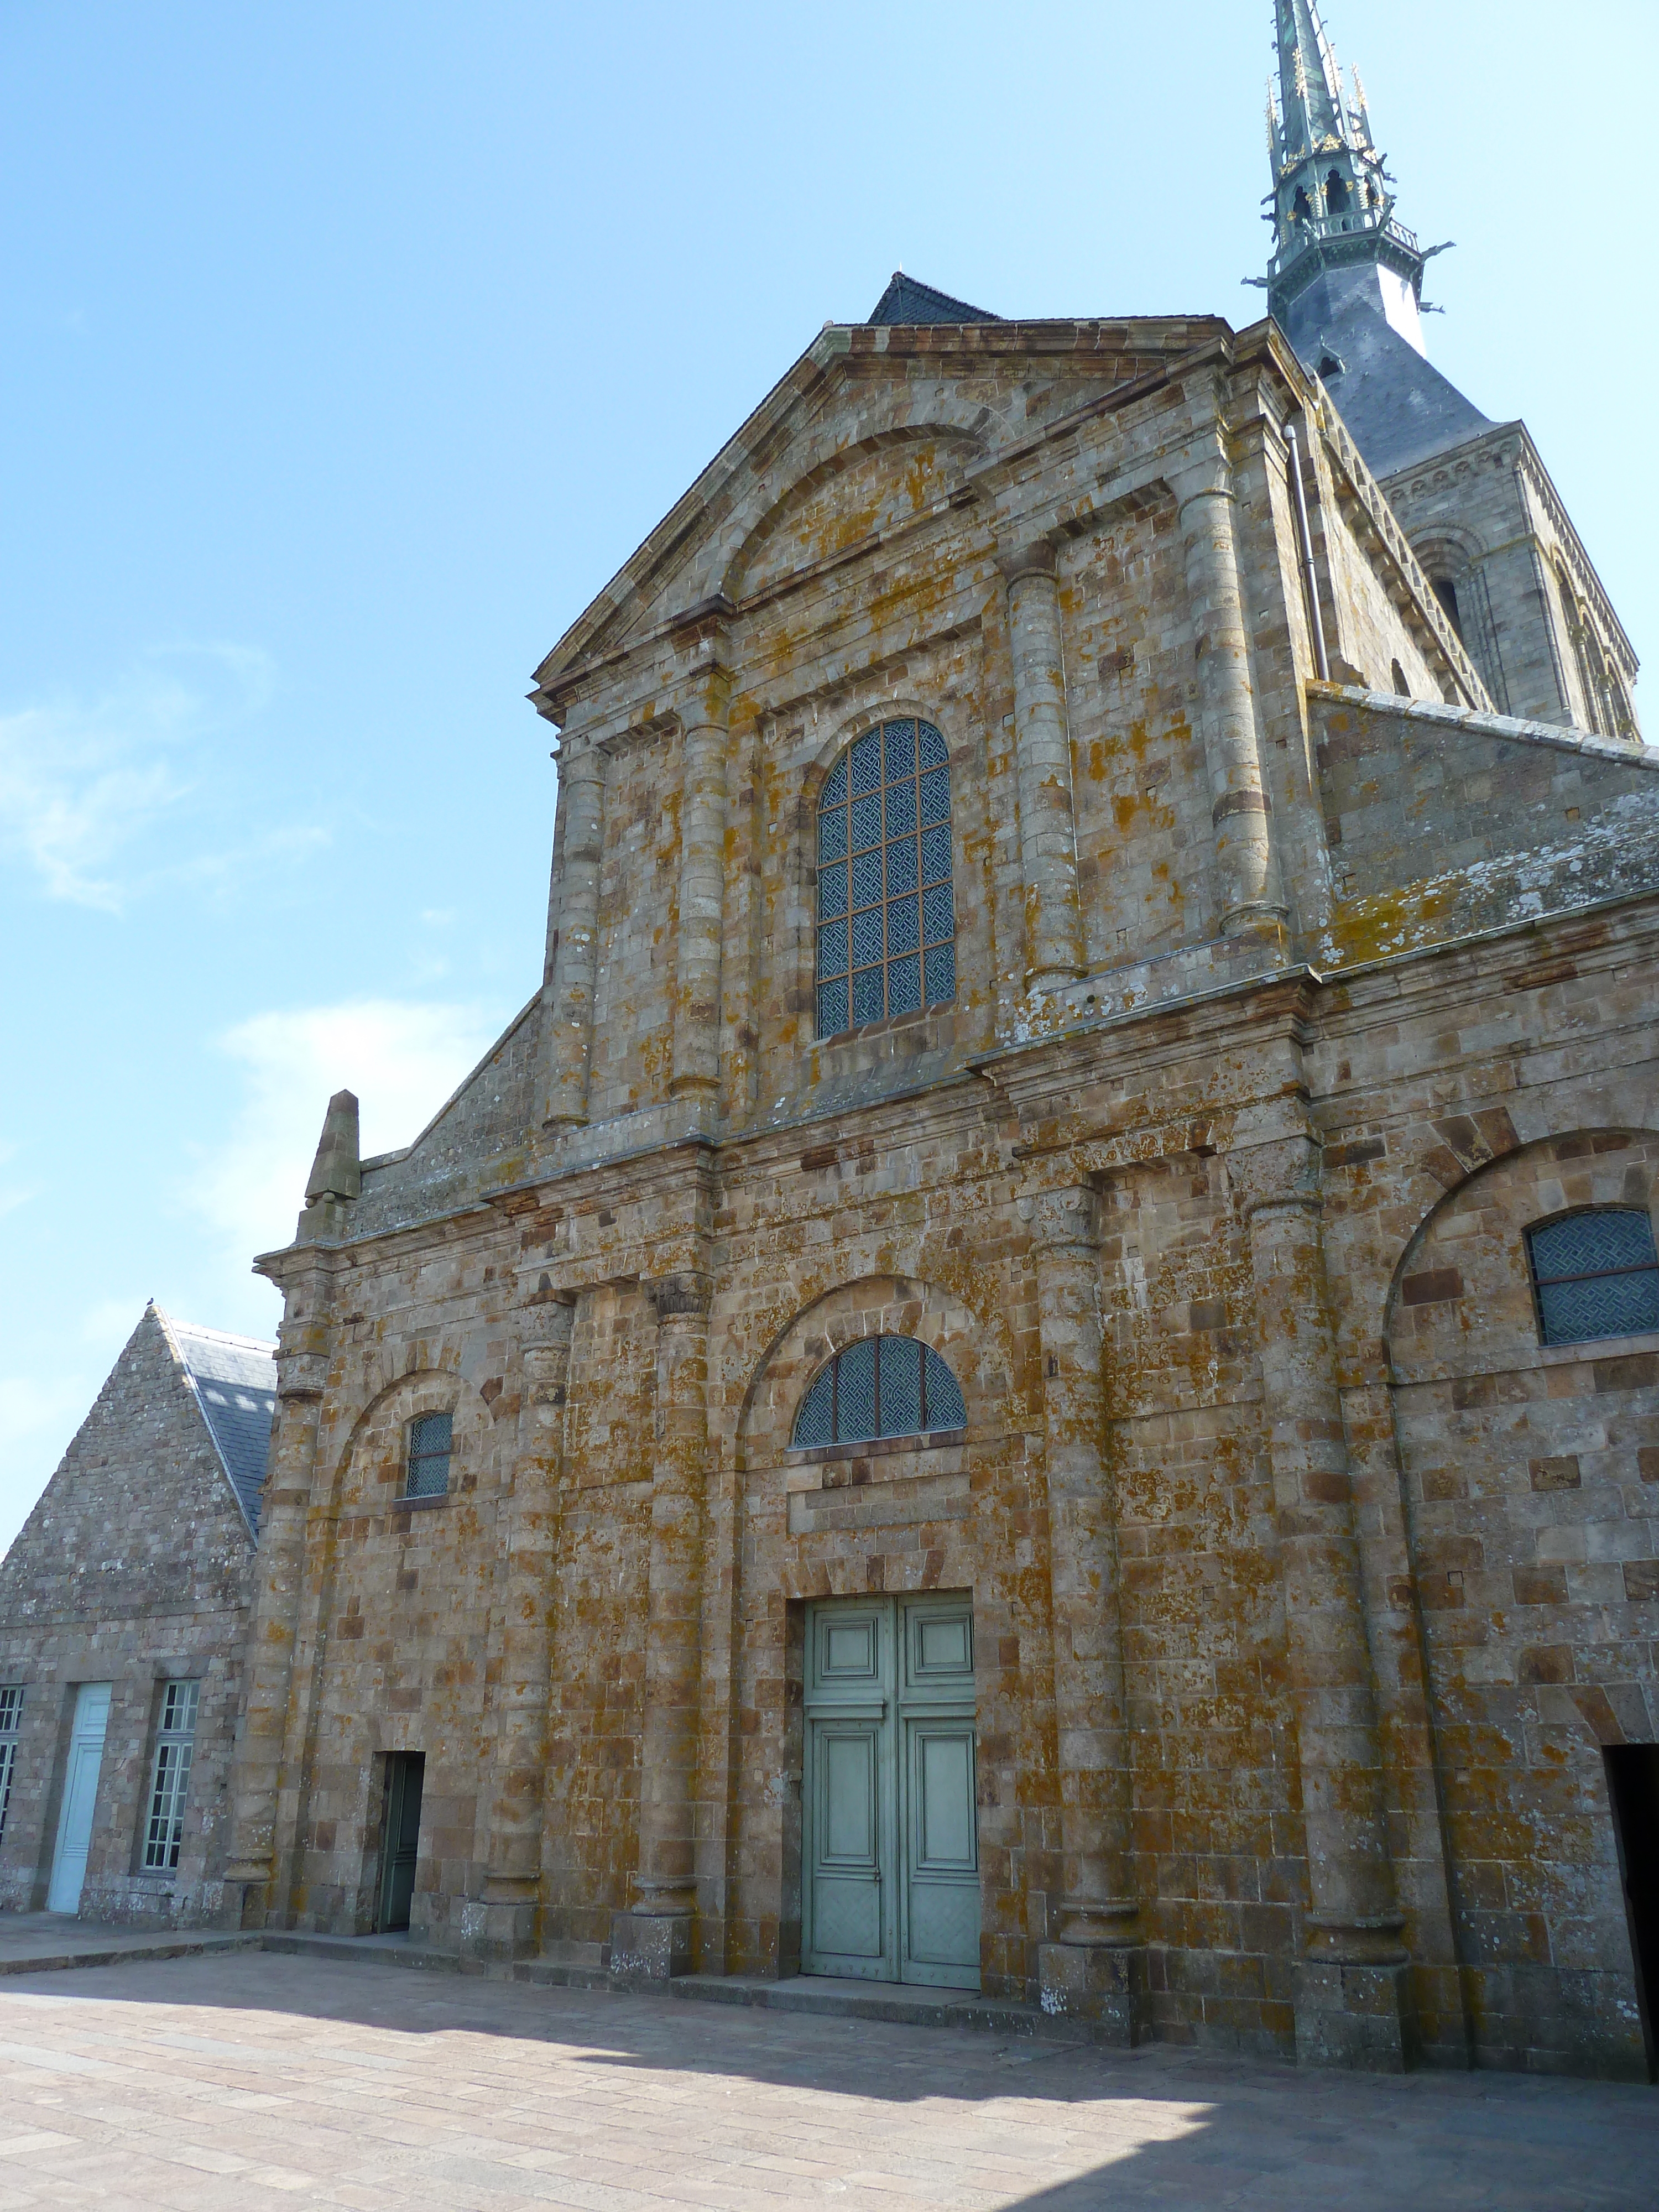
(11, 1709)
(430, 1440)
(175, 1747)
(1594, 1275)
(882, 1386)
(887, 922)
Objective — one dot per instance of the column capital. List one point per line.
(1064, 1219)
(585, 764)
(1286, 1172)
(1036, 559)
(688, 1292)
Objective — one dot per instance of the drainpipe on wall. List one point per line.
(1305, 538)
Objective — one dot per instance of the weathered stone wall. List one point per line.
(133, 1568)
(1533, 1501)
(1147, 1186)
(1533, 615)
(1440, 823)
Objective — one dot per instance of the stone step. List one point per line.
(367, 1950)
(908, 2004)
(58, 1950)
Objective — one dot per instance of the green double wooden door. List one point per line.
(890, 1847)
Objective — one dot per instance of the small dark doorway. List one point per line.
(405, 1771)
(1633, 1788)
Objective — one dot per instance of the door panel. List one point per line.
(942, 1870)
(86, 1756)
(891, 1879)
(400, 1850)
(846, 1887)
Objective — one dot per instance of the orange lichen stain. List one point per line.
(1392, 921)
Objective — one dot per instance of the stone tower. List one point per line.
(1345, 283)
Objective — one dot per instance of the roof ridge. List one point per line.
(171, 1321)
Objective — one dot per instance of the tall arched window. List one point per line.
(886, 911)
(1594, 1274)
(882, 1386)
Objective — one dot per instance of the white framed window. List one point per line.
(175, 1745)
(11, 1712)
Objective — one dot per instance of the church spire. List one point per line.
(1331, 202)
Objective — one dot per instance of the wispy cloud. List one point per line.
(85, 784)
(402, 1058)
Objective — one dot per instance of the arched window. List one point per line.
(1594, 1275)
(886, 910)
(1300, 211)
(882, 1386)
(1336, 194)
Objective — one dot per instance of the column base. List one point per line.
(650, 1946)
(1103, 1984)
(1355, 2016)
(503, 1925)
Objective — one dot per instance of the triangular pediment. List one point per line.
(873, 423)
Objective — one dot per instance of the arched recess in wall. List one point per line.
(1451, 560)
(1523, 1483)
(978, 1352)
(843, 493)
(367, 1475)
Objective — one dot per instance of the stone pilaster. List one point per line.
(567, 1003)
(1353, 2004)
(302, 1363)
(1247, 895)
(654, 1940)
(1042, 747)
(529, 1541)
(1096, 1964)
(696, 1069)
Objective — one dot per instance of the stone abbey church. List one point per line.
(1034, 1368)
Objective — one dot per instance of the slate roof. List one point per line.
(234, 1380)
(905, 300)
(1399, 409)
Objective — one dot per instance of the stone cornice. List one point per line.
(1369, 496)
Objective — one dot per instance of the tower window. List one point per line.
(886, 909)
(175, 1747)
(1446, 591)
(1300, 211)
(430, 1441)
(1336, 194)
(882, 1386)
(1594, 1275)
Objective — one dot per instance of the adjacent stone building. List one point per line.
(123, 1604)
(1034, 1366)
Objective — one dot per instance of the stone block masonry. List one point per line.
(1281, 1011)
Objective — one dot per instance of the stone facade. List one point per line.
(134, 1569)
(1488, 525)
(1282, 1009)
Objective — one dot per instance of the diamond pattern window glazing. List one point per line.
(884, 834)
(881, 1386)
(1595, 1275)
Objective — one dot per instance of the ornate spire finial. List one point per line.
(1331, 202)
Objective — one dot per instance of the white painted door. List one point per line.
(85, 1754)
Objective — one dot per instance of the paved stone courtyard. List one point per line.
(242, 2079)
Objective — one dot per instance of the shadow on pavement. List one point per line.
(1177, 2126)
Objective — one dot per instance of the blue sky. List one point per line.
(349, 351)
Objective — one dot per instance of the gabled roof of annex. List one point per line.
(234, 1381)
